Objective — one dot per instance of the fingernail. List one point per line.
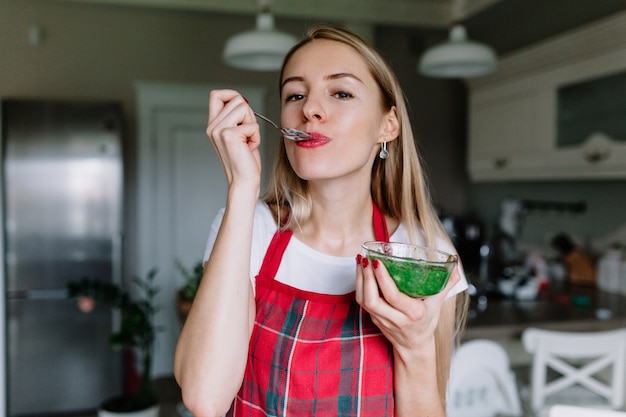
(359, 257)
(375, 263)
(245, 99)
(365, 262)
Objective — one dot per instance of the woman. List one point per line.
(284, 321)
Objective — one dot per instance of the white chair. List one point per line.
(572, 411)
(576, 368)
(481, 382)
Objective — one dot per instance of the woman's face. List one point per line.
(328, 91)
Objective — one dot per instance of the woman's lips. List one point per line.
(318, 139)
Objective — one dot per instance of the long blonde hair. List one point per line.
(398, 187)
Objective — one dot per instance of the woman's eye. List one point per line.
(294, 97)
(342, 95)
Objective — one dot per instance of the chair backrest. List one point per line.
(481, 382)
(572, 411)
(595, 352)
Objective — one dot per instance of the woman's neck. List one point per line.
(340, 221)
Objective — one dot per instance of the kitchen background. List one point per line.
(92, 51)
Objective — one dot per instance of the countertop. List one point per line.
(576, 309)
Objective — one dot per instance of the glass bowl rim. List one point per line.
(452, 259)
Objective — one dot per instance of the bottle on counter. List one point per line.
(612, 271)
(580, 267)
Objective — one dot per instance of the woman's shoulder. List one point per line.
(264, 217)
(263, 228)
(401, 234)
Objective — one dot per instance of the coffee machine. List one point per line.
(468, 235)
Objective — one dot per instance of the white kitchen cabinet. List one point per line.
(514, 114)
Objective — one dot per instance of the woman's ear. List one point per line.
(391, 126)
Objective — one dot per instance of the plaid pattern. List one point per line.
(313, 354)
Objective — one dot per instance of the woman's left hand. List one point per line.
(406, 322)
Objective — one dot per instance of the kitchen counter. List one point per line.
(579, 309)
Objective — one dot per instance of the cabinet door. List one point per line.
(508, 135)
(600, 156)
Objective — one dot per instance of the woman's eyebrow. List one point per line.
(328, 77)
(343, 75)
(291, 79)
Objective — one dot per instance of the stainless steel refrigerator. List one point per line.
(62, 176)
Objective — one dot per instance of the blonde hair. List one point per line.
(399, 187)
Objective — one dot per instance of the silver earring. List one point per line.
(383, 154)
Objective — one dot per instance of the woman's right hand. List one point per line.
(234, 132)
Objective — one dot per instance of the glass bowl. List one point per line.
(418, 271)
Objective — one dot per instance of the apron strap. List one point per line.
(380, 224)
(274, 253)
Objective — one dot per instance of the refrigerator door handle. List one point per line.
(116, 258)
(116, 277)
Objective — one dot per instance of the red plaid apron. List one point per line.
(313, 354)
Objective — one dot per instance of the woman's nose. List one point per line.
(313, 110)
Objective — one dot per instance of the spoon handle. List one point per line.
(287, 133)
(260, 116)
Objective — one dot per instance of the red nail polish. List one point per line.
(365, 262)
(245, 99)
(375, 263)
(359, 257)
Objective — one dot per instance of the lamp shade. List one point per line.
(261, 49)
(458, 57)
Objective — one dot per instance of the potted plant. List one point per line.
(136, 336)
(186, 294)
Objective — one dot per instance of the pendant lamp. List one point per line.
(458, 57)
(260, 49)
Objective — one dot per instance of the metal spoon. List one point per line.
(287, 132)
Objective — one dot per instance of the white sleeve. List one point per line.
(263, 230)
(462, 285)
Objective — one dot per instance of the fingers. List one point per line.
(219, 99)
(367, 288)
(234, 132)
(227, 108)
(377, 293)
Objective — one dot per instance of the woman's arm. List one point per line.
(212, 348)
(411, 325)
(417, 374)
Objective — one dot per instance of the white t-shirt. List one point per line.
(305, 268)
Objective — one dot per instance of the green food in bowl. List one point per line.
(417, 271)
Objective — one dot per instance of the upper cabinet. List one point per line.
(553, 111)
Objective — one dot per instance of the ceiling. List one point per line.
(506, 25)
(422, 13)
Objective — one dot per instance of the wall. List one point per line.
(438, 112)
(601, 225)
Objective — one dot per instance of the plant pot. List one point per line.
(148, 412)
(182, 306)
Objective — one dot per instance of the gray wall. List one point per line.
(603, 224)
